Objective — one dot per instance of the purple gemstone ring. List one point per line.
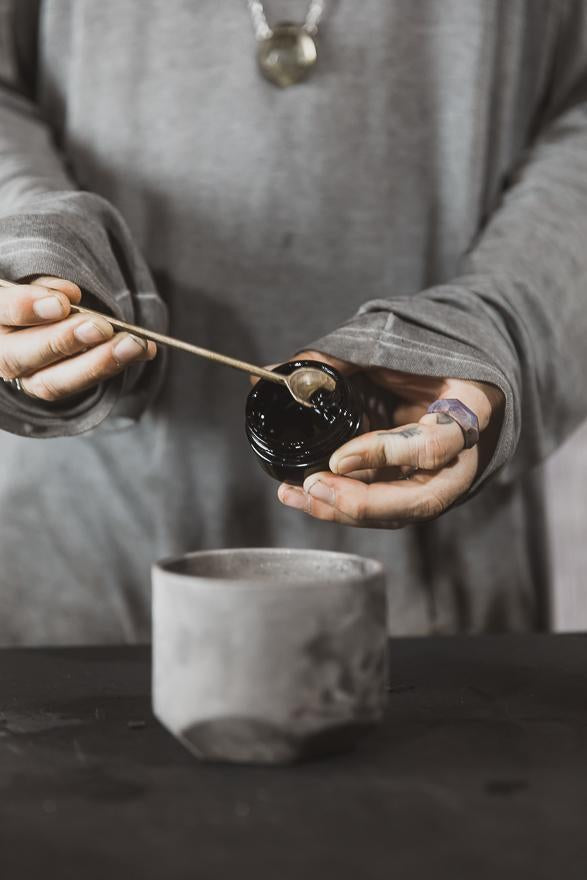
(462, 415)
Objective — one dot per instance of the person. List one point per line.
(414, 211)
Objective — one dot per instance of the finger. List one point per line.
(27, 304)
(390, 505)
(85, 370)
(71, 290)
(423, 445)
(33, 348)
(381, 475)
(296, 498)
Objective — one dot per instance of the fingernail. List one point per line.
(129, 348)
(321, 491)
(49, 307)
(347, 464)
(292, 497)
(89, 332)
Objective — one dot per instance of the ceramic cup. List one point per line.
(268, 655)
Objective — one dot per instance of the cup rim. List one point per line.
(169, 566)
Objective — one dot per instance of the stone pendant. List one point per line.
(288, 55)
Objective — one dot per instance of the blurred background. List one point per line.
(566, 478)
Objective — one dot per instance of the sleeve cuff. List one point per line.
(80, 237)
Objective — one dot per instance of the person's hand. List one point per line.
(54, 353)
(412, 470)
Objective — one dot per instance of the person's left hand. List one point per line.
(411, 471)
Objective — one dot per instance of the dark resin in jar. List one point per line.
(293, 441)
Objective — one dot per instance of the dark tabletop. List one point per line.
(479, 771)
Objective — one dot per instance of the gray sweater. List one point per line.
(420, 203)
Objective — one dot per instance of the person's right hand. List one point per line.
(55, 353)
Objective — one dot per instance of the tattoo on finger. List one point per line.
(411, 431)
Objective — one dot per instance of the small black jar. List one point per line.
(292, 441)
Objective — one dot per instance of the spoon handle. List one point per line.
(177, 343)
(170, 341)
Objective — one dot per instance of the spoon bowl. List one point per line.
(305, 381)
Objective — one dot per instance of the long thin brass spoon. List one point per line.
(301, 383)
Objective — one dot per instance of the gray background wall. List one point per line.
(566, 475)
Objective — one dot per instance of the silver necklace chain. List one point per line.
(261, 25)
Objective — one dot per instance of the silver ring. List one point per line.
(15, 383)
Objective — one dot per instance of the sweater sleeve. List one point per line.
(48, 226)
(516, 315)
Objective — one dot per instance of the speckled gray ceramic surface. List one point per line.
(268, 655)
